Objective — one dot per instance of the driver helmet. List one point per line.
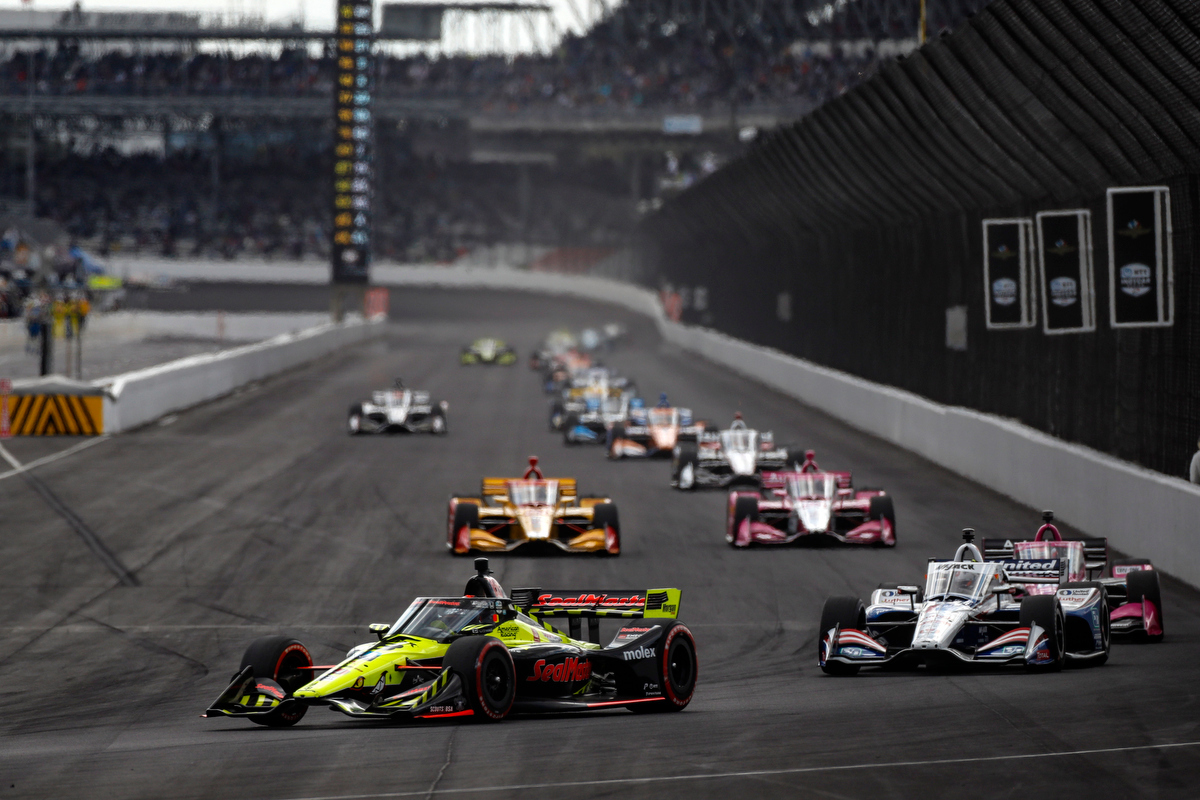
(738, 422)
(662, 400)
(398, 383)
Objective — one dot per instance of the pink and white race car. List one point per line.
(807, 504)
(1132, 589)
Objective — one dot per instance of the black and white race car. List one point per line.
(398, 410)
(737, 455)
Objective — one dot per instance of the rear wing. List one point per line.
(1095, 551)
(498, 487)
(593, 606)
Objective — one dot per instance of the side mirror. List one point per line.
(379, 629)
(909, 589)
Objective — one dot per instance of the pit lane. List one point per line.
(256, 514)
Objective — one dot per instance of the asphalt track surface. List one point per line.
(256, 514)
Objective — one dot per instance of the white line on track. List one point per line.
(18, 467)
(757, 773)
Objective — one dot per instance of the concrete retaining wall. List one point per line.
(136, 398)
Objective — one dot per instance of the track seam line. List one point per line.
(757, 773)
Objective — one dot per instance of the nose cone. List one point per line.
(742, 463)
(815, 515)
(938, 624)
(536, 522)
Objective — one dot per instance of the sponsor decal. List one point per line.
(274, 691)
(1061, 248)
(1134, 230)
(1004, 291)
(358, 682)
(569, 671)
(1122, 570)
(626, 634)
(441, 709)
(1004, 252)
(1135, 279)
(639, 654)
(508, 631)
(582, 600)
(1064, 291)
(379, 687)
(858, 652)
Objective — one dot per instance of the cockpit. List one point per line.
(812, 486)
(439, 618)
(954, 580)
(533, 493)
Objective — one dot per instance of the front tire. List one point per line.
(842, 613)
(882, 509)
(604, 516)
(1143, 585)
(684, 465)
(1045, 612)
(568, 429)
(280, 659)
(354, 420)
(466, 515)
(437, 423)
(744, 508)
(617, 431)
(489, 678)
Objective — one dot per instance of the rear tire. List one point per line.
(743, 508)
(844, 613)
(1143, 584)
(1045, 611)
(687, 456)
(278, 658)
(465, 515)
(677, 668)
(489, 678)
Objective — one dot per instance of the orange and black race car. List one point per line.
(533, 512)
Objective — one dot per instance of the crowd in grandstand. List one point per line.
(584, 72)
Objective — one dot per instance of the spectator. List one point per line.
(1194, 469)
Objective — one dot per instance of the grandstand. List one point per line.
(557, 148)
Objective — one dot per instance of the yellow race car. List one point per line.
(532, 512)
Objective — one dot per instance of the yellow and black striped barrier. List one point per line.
(55, 414)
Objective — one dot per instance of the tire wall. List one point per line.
(867, 214)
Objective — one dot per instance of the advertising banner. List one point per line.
(354, 134)
(1141, 268)
(1065, 271)
(1007, 263)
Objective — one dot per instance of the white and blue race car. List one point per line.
(970, 611)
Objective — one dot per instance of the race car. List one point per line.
(807, 505)
(1134, 595)
(398, 410)
(725, 458)
(592, 424)
(653, 432)
(596, 383)
(488, 351)
(535, 513)
(562, 369)
(481, 656)
(971, 611)
(556, 343)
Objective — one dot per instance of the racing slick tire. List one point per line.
(1079, 633)
(465, 515)
(882, 508)
(568, 429)
(437, 422)
(684, 464)
(676, 663)
(843, 612)
(280, 658)
(743, 508)
(1044, 610)
(488, 675)
(354, 419)
(604, 515)
(1143, 584)
(556, 416)
(617, 431)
